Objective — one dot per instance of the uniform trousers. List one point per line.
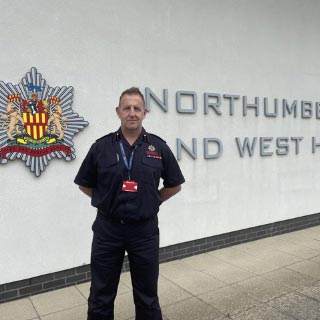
(110, 241)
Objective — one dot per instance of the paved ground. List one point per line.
(270, 279)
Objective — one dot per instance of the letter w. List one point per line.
(246, 146)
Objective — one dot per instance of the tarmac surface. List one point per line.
(274, 278)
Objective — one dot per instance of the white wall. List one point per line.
(246, 47)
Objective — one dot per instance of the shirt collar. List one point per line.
(143, 137)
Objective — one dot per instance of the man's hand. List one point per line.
(87, 191)
(167, 193)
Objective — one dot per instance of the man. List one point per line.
(121, 174)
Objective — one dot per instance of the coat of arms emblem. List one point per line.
(37, 122)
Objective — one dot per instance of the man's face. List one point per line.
(131, 111)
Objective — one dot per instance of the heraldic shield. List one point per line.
(35, 125)
(37, 122)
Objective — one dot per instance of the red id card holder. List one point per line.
(130, 186)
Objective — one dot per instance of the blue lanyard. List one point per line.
(123, 154)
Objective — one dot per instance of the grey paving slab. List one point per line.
(57, 300)
(261, 289)
(163, 317)
(170, 293)
(276, 257)
(245, 261)
(77, 313)
(84, 289)
(288, 278)
(254, 250)
(229, 300)
(229, 254)
(266, 249)
(198, 282)
(191, 309)
(262, 312)
(260, 268)
(298, 250)
(122, 288)
(309, 233)
(125, 279)
(315, 228)
(175, 269)
(255, 265)
(313, 244)
(264, 244)
(307, 267)
(312, 291)
(298, 306)
(316, 259)
(299, 236)
(18, 310)
(202, 262)
(228, 273)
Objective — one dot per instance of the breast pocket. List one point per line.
(108, 171)
(151, 170)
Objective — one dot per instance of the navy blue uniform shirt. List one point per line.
(104, 171)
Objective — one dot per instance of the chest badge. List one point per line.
(152, 153)
(151, 148)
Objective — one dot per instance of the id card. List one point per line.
(130, 186)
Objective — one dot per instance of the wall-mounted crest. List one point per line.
(37, 122)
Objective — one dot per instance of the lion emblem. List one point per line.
(12, 121)
(56, 122)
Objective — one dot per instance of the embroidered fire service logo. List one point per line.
(37, 122)
(152, 153)
(151, 148)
